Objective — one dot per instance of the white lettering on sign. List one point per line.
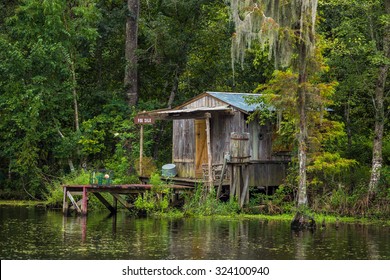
(144, 120)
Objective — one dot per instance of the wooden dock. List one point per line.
(81, 206)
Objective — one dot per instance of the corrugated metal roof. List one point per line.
(237, 100)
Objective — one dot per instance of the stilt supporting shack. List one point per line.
(239, 186)
(224, 167)
(240, 154)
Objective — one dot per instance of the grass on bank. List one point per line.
(201, 203)
(23, 203)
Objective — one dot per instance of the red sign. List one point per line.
(144, 120)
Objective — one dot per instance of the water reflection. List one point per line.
(29, 233)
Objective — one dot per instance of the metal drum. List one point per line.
(169, 170)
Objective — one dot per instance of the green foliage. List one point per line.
(155, 200)
(152, 202)
(329, 168)
(54, 195)
(203, 203)
(49, 49)
(82, 177)
(158, 186)
(281, 202)
(353, 32)
(41, 48)
(325, 136)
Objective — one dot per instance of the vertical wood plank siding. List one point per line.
(184, 147)
(267, 174)
(221, 125)
(261, 140)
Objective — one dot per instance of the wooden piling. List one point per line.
(240, 154)
(245, 190)
(84, 204)
(114, 203)
(119, 199)
(222, 177)
(65, 206)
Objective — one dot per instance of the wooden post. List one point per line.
(222, 175)
(209, 156)
(245, 190)
(247, 183)
(232, 180)
(114, 203)
(104, 201)
(73, 202)
(65, 203)
(238, 182)
(240, 155)
(83, 228)
(118, 198)
(114, 220)
(141, 149)
(84, 204)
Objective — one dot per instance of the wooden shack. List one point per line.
(202, 129)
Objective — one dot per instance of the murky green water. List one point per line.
(30, 233)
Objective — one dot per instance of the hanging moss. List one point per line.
(276, 24)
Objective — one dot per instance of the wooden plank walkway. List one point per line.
(81, 206)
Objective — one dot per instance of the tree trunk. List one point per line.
(302, 137)
(131, 71)
(378, 132)
(379, 112)
(174, 87)
(74, 91)
(70, 162)
(348, 122)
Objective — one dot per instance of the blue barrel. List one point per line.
(169, 170)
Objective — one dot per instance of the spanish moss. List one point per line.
(278, 25)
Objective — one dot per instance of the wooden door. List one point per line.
(201, 157)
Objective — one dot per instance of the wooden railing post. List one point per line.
(209, 155)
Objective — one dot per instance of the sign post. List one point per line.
(141, 150)
(142, 120)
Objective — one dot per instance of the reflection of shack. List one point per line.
(213, 127)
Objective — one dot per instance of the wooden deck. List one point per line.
(81, 206)
(188, 182)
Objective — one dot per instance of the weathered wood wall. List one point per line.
(205, 101)
(222, 126)
(184, 139)
(261, 141)
(183, 148)
(262, 173)
(267, 174)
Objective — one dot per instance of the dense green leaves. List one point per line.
(53, 53)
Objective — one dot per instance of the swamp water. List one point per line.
(33, 233)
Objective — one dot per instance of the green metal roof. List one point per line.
(237, 100)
